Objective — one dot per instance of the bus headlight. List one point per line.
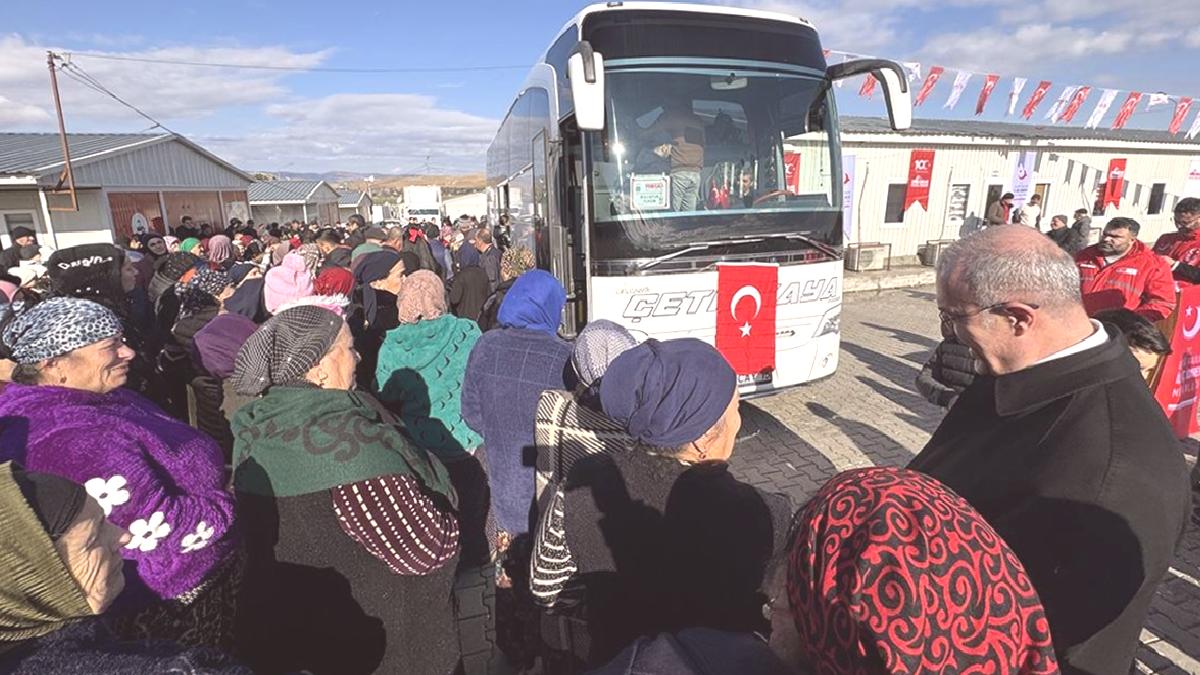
(831, 322)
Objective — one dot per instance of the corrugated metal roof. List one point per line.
(1009, 130)
(25, 154)
(350, 198)
(276, 191)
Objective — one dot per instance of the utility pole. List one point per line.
(67, 175)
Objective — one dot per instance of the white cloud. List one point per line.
(364, 132)
(1024, 48)
(166, 92)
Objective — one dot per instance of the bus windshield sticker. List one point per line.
(650, 192)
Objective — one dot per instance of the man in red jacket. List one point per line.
(1121, 271)
(1182, 248)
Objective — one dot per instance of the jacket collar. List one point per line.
(1038, 385)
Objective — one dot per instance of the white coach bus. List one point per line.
(654, 142)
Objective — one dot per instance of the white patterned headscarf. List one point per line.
(56, 327)
(597, 345)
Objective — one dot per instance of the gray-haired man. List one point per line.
(1061, 447)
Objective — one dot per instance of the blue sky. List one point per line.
(406, 122)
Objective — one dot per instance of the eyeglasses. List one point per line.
(954, 317)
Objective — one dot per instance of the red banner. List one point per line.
(1035, 99)
(791, 172)
(986, 93)
(1177, 376)
(935, 73)
(868, 86)
(1076, 102)
(1127, 109)
(1115, 183)
(746, 316)
(920, 176)
(1181, 111)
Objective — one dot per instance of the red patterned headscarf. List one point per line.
(891, 572)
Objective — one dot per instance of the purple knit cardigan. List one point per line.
(160, 479)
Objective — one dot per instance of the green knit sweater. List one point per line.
(421, 367)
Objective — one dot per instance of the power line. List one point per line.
(300, 69)
(77, 73)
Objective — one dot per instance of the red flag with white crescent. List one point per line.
(935, 73)
(1035, 99)
(1181, 111)
(1127, 109)
(1081, 95)
(986, 93)
(791, 172)
(746, 316)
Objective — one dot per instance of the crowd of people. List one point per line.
(272, 449)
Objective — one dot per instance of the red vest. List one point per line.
(1182, 246)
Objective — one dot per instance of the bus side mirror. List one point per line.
(585, 70)
(895, 86)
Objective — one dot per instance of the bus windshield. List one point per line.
(711, 152)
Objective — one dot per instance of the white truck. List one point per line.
(423, 202)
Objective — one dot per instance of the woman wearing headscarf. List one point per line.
(101, 273)
(351, 534)
(214, 348)
(67, 413)
(173, 245)
(153, 250)
(63, 567)
(334, 281)
(200, 301)
(649, 527)
(571, 427)
(220, 252)
(192, 245)
(888, 571)
(420, 376)
(377, 281)
(507, 371)
(513, 263)
(470, 287)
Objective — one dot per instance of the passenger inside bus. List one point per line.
(685, 150)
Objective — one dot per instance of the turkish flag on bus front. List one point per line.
(746, 316)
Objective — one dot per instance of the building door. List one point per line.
(994, 193)
(135, 213)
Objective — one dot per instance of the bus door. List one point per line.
(570, 241)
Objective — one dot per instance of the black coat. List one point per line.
(468, 292)
(1075, 465)
(1068, 239)
(661, 546)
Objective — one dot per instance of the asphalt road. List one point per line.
(869, 413)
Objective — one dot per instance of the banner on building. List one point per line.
(1157, 99)
(847, 196)
(1114, 185)
(1176, 385)
(1035, 99)
(1127, 109)
(1181, 111)
(746, 296)
(935, 73)
(984, 94)
(1102, 106)
(1022, 182)
(1191, 187)
(1060, 103)
(920, 177)
(791, 172)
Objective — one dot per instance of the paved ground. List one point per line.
(869, 413)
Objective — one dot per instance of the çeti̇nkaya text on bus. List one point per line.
(656, 147)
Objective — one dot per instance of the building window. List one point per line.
(1157, 197)
(894, 213)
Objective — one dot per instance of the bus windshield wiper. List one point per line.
(817, 244)
(699, 246)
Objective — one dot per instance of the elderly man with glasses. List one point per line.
(1060, 446)
(1181, 249)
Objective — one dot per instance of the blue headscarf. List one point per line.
(535, 301)
(668, 393)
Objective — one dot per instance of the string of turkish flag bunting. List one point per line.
(1070, 100)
